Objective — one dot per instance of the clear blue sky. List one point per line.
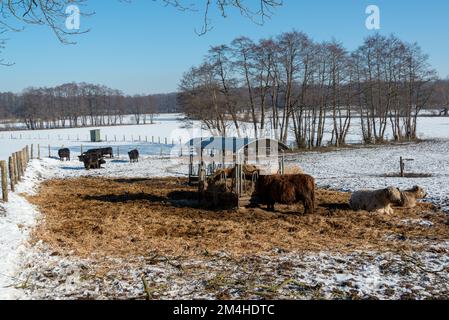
(144, 47)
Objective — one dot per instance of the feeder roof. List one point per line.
(231, 144)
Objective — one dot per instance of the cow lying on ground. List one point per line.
(133, 156)
(92, 160)
(287, 189)
(64, 154)
(378, 201)
(409, 197)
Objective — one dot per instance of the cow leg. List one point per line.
(307, 207)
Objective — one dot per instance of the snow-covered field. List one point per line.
(346, 169)
(354, 169)
(151, 138)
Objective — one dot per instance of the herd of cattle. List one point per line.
(94, 158)
(291, 189)
(283, 189)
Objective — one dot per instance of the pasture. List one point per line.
(129, 217)
(73, 233)
(109, 221)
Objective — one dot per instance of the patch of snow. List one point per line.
(15, 225)
(420, 222)
(366, 168)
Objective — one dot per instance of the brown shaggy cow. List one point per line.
(248, 171)
(287, 189)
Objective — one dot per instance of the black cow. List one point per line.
(133, 156)
(107, 152)
(102, 152)
(64, 154)
(92, 160)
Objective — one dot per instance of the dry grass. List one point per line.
(293, 169)
(129, 217)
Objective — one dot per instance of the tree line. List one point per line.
(294, 88)
(81, 104)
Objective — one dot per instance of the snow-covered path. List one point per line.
(17, 218)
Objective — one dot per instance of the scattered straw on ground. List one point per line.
(129, 217)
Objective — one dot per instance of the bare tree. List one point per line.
(304, 85)
(258, 11)
(201, 99)
(51, 13)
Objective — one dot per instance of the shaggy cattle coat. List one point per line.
(287, 189)
(379, 201)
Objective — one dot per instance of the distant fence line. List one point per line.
(117, 150)
(13, 170)
(111, 138)
(121, 138)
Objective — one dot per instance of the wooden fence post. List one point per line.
(49, 151)
(27, 154)
(22, 159)
(4, 174)
(16, 169)
(402, 165)
(11, 173)
(38, 151)
(18, 163)
(32, 151)
(118, 152)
